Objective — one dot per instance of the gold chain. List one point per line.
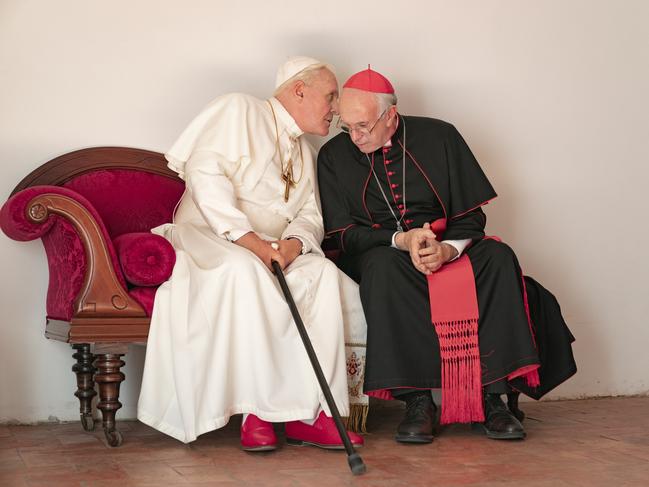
(287, 172)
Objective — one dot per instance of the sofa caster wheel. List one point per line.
(113, 437)
(88, 422)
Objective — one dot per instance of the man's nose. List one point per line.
(356, 135)
(334, 107)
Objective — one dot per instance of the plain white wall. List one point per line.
(551, 96)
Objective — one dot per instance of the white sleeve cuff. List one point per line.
(459, 245)
(234, 235)
(394, 240)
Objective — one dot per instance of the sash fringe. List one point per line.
(461, 372)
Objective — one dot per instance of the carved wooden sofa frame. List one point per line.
(105, 318)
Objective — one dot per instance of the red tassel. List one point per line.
(461, 374)
(532, 378)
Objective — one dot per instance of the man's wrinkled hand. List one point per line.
(262, 249)
(435, 255)
(289, 249)
(413, 241)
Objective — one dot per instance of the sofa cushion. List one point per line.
(146, 259)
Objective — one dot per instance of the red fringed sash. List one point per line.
(454, 312)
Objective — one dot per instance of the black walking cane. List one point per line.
(354, 459)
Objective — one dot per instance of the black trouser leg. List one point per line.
(403, 393)
(498, 387)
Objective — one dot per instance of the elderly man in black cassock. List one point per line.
(446, 306)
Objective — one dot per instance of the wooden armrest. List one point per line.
(101, 295)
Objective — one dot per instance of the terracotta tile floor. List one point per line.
(596, 442)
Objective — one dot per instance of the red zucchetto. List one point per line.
(369, 80)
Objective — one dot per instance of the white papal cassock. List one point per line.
(222, 340)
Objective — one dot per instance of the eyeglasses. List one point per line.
(363, 130)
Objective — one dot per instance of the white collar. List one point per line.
(286, 123)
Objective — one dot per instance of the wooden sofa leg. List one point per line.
(109, 378)
(85, 383)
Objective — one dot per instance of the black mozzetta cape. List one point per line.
(444, 185)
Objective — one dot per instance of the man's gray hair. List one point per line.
(384, 101)
(306, 76)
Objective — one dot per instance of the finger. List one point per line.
(419, 241)
(429, 250)
(414, 254)
(276, 256)
(421, 268)
(430, 260)
(432, 263)
(279, 257)
(414, 246)
(432, 243)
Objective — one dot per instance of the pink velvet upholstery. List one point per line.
(145, 296)
(66, 257)
(147, 259)
(124, 202)
(13, 219)
(128, 200)
(66, 260)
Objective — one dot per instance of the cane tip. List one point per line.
(356, 464)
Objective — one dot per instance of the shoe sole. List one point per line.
(420, 439)
(292, 442)
(259, 448)
(500, 436)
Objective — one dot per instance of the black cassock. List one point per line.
(445, 186)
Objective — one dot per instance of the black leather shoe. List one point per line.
(417, 425)
(500, 423)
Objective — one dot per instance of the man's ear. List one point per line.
(392, 116)
(298, 90)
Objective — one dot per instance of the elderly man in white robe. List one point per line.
(222, 339)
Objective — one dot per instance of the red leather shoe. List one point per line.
(323, 434)
(257, 435)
